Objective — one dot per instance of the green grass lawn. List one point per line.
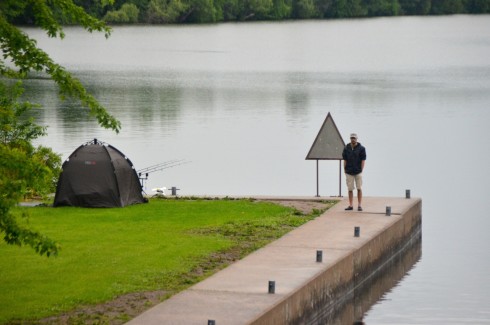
(109, 252)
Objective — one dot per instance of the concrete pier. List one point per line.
(240, 294)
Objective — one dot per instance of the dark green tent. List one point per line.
(98, 175)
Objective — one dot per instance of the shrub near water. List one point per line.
(109, 252)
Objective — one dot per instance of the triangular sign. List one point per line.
(328, 144)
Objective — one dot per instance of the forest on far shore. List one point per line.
(212, 11)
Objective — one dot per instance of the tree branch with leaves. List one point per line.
(24, 168)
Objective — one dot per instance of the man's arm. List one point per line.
(363, 158)
(344, 157)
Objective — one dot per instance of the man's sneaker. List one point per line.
(349, 208)
(359, 208)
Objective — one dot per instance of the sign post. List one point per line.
(328, 145)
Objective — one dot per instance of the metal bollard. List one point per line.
(357, 231)
(388, 211)
(319, 256)
(272, 286)
(211, 322)
(407, 194)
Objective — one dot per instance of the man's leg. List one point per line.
(359, 191)
(350, 187)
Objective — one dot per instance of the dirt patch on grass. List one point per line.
(303, 206)
(128, 306)
(117, 311)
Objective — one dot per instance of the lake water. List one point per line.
(244, 102)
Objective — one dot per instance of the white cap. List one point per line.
(353, 135)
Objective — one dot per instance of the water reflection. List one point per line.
(296, 102)
(372, 291)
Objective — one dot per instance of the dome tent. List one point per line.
(98, 175)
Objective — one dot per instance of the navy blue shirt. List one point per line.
(354, 157)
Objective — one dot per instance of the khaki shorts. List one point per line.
(351, 179)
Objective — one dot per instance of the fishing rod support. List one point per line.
(174, 190)
(143, 177)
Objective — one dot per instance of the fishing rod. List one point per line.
(143, 173)
(163, 165)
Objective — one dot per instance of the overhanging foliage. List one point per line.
(25, 169)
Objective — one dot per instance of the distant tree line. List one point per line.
(211, 11)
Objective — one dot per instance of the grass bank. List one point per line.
(166, 245)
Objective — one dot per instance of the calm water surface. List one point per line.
(244, 102)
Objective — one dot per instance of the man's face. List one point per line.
(353, 141)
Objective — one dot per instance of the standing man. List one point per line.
(354, 156)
